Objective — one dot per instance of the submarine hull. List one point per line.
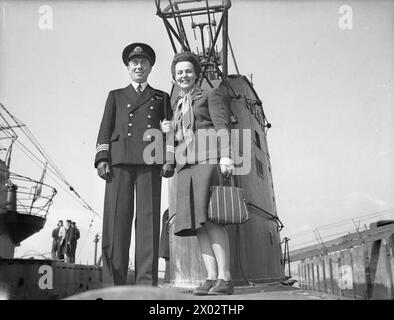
(255, 246)
(25, 279)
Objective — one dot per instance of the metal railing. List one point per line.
(23, 195)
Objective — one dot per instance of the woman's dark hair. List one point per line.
(186, 56)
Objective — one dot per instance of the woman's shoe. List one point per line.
(222, 287)
(203, 290)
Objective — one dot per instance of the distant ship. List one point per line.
(358, 265)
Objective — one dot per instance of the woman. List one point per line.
(198, 112)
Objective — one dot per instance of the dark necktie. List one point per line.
(139, 89)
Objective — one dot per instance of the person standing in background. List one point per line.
(61, 241)
(55, 240)
(73, 241)
(69, 235)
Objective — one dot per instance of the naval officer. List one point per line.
(119, 160)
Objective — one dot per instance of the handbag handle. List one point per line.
(222, 178)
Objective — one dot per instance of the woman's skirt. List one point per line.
(193, 194)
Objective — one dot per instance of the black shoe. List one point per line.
(222, 287)
(203, 290)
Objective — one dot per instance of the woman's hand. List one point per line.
(167, 171)
(226, 166)
(165, 126)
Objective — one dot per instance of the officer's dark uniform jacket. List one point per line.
(126, 117)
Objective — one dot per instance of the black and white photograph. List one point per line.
(204, 150)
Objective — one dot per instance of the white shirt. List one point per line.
(135, 85)
(62, 233)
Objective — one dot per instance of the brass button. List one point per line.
(151, 107)
(130, 124)
(129, 105)
(131, 114)
(148, 125)
(129, 134)
(149, 116)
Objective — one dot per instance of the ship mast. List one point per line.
(25, 202)
(202, 15)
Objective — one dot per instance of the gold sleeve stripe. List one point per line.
(170, 149)
(102, 147)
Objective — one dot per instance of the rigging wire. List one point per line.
(86, 238)
(325, 238)
(377, 213)
(35, 253)
(330, 236)
(35, 159)
(54, 173)
(347, 221)
(66, 190)
(233, 56)
(209, 23)
(37, 145)
(52, 166)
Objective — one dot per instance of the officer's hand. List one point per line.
(103, 170)
(226, 166)
(165, 126)
(167, 170)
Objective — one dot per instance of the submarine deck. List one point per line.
(264, 291)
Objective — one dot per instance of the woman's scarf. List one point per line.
(184, 117)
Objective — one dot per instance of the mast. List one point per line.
(22, 211)
(201, 14)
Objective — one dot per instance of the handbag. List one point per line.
(227, 204)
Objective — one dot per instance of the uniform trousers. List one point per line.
(118, 219)
(54, 249)
(73, 249)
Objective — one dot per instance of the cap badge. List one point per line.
(137, 50)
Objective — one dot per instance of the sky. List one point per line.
(328, 92)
